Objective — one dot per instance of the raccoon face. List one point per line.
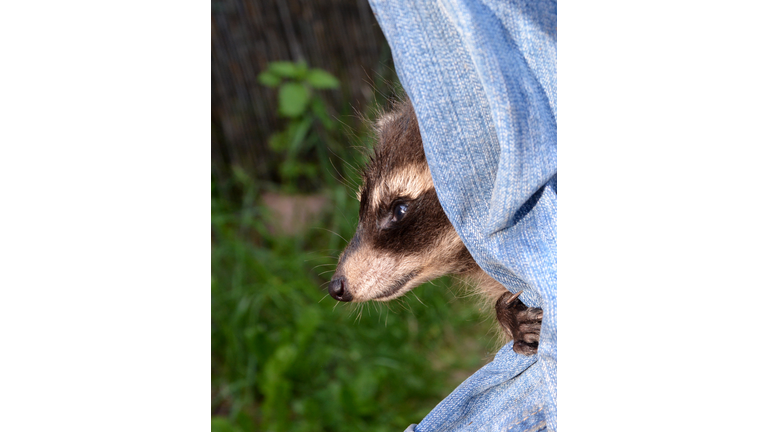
(403, 238)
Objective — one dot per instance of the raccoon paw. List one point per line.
(520, 322)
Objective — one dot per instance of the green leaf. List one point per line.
(278, 141)
(321, 79)
(221, 424)
(297, 132)
(308, 169)
(301, 70)
(285, 69)
(289, 169)
(321, 111)
(293, 99)
(241, 176)
(269, 79)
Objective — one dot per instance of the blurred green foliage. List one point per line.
(284, 355)
(309, 143)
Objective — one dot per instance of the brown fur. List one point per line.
(393, 252)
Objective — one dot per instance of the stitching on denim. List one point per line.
(526, 418)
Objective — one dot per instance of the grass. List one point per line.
(285, 356)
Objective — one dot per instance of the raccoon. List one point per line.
(404, 238)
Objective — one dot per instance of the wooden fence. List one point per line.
(340, 36)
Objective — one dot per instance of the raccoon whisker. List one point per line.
(389, 308)
(350, 187)
(455, 297)
(341, 159)
(322, 298)
(354, 226)
(362, 150)
(486, 318)
(467, 295)
(326, 250)
(343, 123)
(332, 232)
(323, 265)
(399, 302)
(410, 308)
(417, 298)
(341, 178)
(327, 271)
(355, 111)
(406, 305)
(316, 255)
(327, 257)
(352, 167)
(358, 311)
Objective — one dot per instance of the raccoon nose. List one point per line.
(338, 289)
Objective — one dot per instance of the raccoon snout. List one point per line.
(339, 290)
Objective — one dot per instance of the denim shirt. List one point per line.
(482, 78)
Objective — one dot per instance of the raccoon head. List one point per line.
(403, 238)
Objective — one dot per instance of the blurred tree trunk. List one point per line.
(340, 36)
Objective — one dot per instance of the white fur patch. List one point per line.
(411, 182)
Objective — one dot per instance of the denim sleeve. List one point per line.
(482, 78)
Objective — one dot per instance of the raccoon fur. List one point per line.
(404, 238)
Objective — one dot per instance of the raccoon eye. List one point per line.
(399, 212)
(388, 220)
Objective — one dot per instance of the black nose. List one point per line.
(338, 289)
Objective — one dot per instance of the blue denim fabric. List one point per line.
(482, 78)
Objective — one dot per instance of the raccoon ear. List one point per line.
(384, 120)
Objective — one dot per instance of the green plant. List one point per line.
(285, 357)
(308, 141)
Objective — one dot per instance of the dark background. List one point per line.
(339, 36)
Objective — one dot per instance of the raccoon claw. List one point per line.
(520, 323)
